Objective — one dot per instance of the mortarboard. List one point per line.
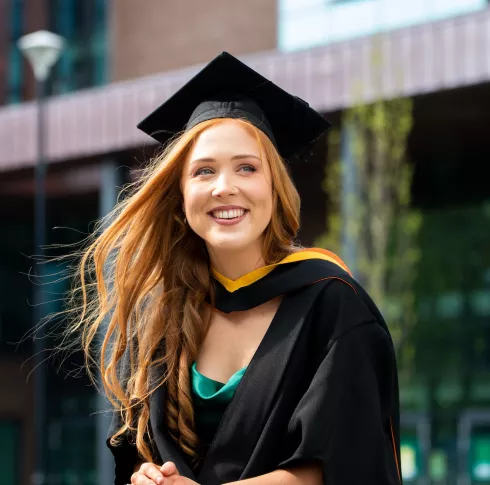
(228, 88)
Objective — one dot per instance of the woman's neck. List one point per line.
(233, 264)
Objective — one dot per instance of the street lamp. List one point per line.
(42, 49)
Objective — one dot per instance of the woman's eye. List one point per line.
(204, 171)
(248, 168)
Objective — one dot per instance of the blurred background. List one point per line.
(400, 189)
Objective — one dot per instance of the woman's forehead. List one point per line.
(225, 138)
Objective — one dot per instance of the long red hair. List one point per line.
(143, 281)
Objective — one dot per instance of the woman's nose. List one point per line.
(224, 186)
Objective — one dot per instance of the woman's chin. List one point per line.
(228, 243)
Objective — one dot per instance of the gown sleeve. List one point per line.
(125, 454)
(345, 418)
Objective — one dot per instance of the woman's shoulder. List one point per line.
(342, 306)
(341, 298)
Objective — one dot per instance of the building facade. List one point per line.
(124, 58)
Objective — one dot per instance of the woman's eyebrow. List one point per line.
(203, 160)
(240, 157)
(234, 157)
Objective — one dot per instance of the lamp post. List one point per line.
(42, 49)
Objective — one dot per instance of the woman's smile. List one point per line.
(228, 215)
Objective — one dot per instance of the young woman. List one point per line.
(230, 352)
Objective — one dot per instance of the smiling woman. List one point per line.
(230, 352)
(227, 192)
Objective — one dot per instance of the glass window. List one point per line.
(15, 286)
(480, 456)
(70, 419)
(72, 454)
(83, 61)
(308, 23)
(15, 72)
(10, 452)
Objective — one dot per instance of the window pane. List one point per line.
(307, 23)
(83, 61)
(15, 69)
(10, 452)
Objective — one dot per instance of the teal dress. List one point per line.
(211, 399)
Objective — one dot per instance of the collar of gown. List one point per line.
(263, 284)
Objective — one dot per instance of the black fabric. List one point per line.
(228, 88)
(207, 416)
(322, 385)
(125, 455)
(231, 107)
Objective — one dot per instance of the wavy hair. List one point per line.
(142, 284)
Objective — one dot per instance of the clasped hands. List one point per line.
(167, 474)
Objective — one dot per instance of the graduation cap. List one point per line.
(228, 88)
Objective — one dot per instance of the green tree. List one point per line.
(382, 220)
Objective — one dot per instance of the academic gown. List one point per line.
(321, 386)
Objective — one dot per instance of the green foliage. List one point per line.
(452, 338)
(382, 221)
(331, 238)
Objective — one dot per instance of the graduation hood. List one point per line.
(295, 271)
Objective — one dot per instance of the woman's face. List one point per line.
(227, 190)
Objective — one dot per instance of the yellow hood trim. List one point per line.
(257, 274)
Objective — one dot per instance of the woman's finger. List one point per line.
(169, 468)
(152, 472)
(139, 478)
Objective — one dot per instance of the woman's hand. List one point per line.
(167, 474)
(148, 474)
(172, 477)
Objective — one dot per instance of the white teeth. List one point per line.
(229, 214)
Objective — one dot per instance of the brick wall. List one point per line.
(153, 36)
(35, 15)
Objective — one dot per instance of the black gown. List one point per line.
(322, 385)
